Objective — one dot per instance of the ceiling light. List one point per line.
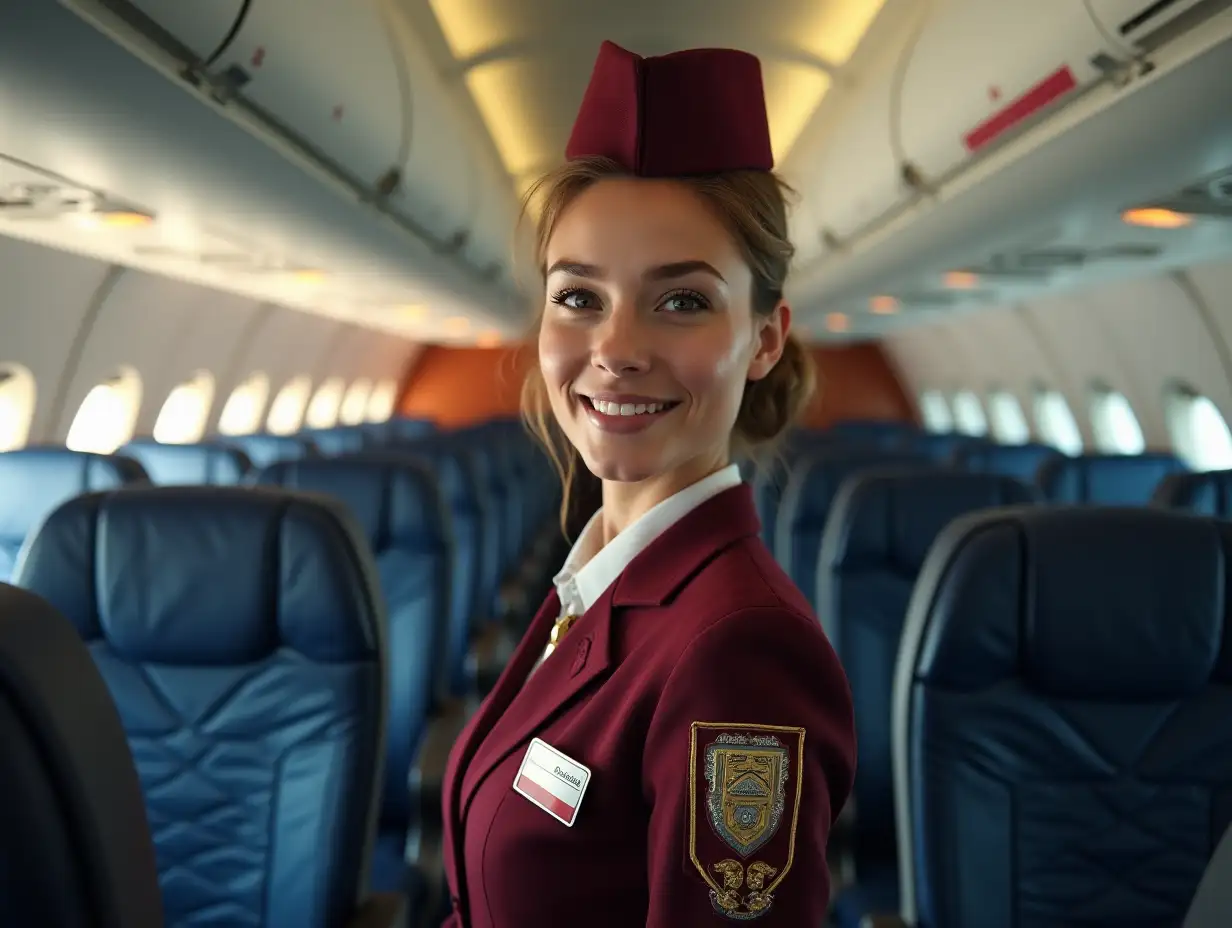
(1155, 217)
(883, 305)
(456, 325)
(834, 30)
(125, 219)
(961, 280)
(837, 322)
(488, 339)
(308, 275)
(793, 93)
(414, 312)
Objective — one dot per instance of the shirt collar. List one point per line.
(587, 572)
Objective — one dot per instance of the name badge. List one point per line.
(552, 781)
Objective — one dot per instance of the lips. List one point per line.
(625, 413)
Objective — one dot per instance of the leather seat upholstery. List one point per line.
(35, 480)
(1062, 748)
(1208, 493)
(75, 849)
(881, 527)
(1021, 461)
(241, 634)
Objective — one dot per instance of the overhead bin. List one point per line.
(359, 90)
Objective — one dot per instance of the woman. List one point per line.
(673, 738)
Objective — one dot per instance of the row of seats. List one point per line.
(445, 517)
(857, 526)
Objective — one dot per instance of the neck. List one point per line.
(626, 502)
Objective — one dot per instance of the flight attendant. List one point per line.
(673, 738)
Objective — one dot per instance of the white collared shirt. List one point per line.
(588, 572)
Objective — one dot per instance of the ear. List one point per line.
(771, 339)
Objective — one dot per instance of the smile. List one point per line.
(624, 415)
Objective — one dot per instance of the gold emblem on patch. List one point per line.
(752, 779)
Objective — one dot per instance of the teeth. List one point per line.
(627, 409)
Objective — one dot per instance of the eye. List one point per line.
(575, 298)
(684, 301)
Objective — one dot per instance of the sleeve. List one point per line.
(749, 758)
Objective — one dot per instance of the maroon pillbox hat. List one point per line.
(701, 111)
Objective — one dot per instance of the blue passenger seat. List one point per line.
(1021, 461)
(1208, 493)
(1063, 752)
(881, 526)
(263, 449)
(1106, 479)
(35, 480)
(398, 506)
(241, 634)
(204, 464)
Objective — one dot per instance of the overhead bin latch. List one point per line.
(389, 182)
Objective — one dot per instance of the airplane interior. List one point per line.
(271, 529)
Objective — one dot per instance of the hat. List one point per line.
(701, 111)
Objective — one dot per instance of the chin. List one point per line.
(620, 468)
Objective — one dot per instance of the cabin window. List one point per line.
(184, 415)
(355, 403)
(241, 414)
(936, 411)
(1112, 419)
(969, 415)
(1055, 422)
(326, 402)
(108, 415)
(1200, 435)
(1009, 424)
(381, 402)
(17, 396)
(286, 413)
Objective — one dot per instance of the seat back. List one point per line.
(398, 505)
(1106, 479)
(241, 634)
(943, 447)
(879, 434)
(75, 849)
(263, 449)
(34, 481)
(204, 464)
(1021, 461)
(1062, 748)
(339, 439)
(1208, 493)
(815, 479)
(880, 529)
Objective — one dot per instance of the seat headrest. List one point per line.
(33, 481)
(1022, 461)
(1208, 493)
(201, 464)
(895, 516)
(395, 499)
(815, 481)
(209, 575)
(1107, 479)
(338, 439)
(266, 449)
(57, 709)
(1078, 603)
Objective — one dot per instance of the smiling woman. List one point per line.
(664, 346)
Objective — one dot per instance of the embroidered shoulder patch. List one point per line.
(744, 785)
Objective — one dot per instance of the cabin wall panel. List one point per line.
(44, 297)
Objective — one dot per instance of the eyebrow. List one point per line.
(662, 272)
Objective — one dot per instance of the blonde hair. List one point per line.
(753, 205)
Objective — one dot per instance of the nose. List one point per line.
(621, 344)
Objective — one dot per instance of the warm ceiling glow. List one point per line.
(837, 322)
(125, 219)
(414, 312)
(961, 280)
(1156, 217)
(308, 275)
(473, 26)
(510, 121)
(836, 27)
(793, 93)
(456, 325)
(883, 305)
(488, 339)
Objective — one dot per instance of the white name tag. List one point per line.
(552, 781)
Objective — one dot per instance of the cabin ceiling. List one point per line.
(526, 63)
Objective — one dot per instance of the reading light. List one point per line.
(457, 325)
(961, 280)
(414, 312)
(837, 322)
(488, 339)
(883, 305)
(308, 275)
(125, 219)
(1155, 217)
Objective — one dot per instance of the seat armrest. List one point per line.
(380, 910)
(883, 920)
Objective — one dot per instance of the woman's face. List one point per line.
(648, 333)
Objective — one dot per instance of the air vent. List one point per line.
(930, 298)
(1158, 23)
(44, 201)
(1039, 264)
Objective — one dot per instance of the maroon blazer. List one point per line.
(716, 722)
